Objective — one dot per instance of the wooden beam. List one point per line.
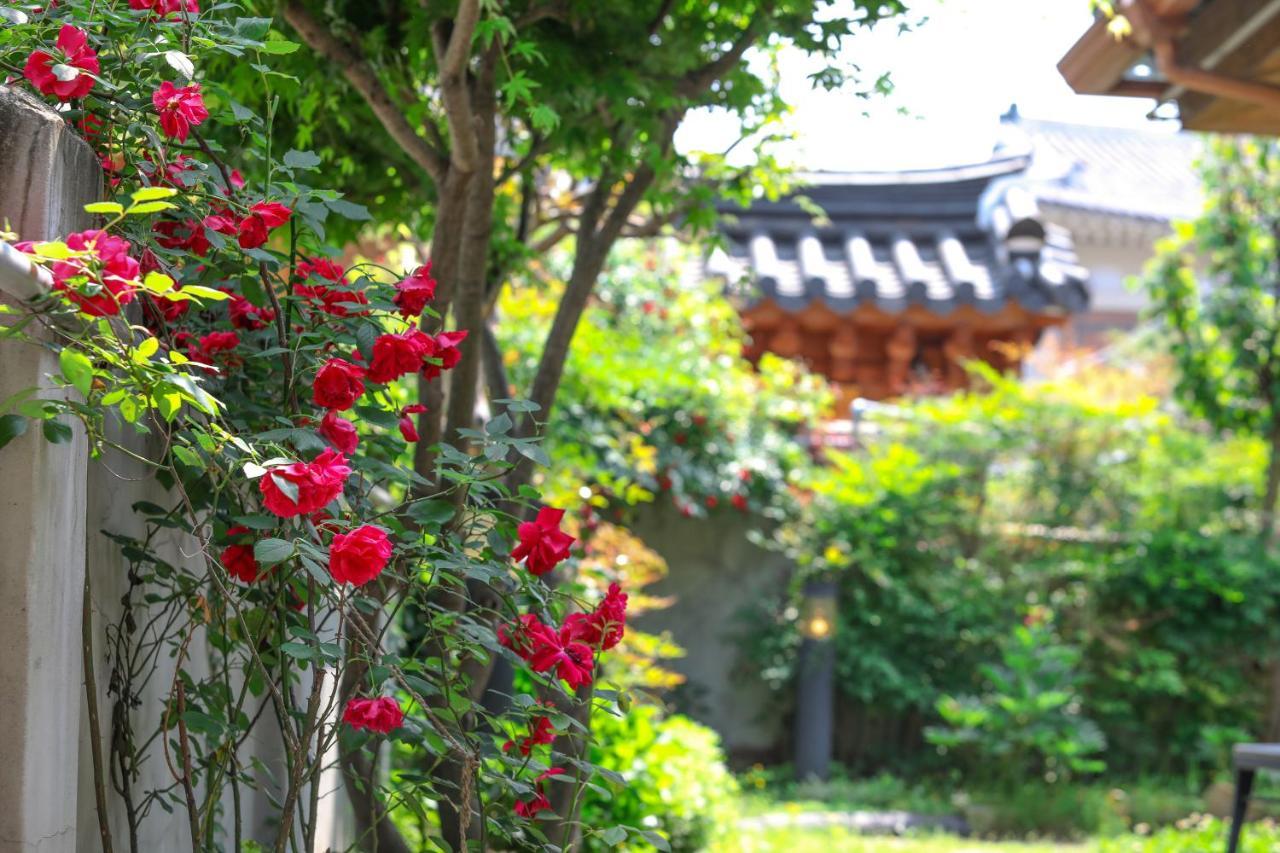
(1207, 45)
(1097, 61)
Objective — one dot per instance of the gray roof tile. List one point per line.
(902, 239)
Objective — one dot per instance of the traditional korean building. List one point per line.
(887, 282)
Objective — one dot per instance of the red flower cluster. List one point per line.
(359, 556)
(180, 109)
(529, 808)
(238, 558)
(399, 354)
(446, 351)
(76, 55)
(339, 432)
(381, 715)
(602, 628)
(245, 315)
(338, 384)
(263, 217)
(312, 484)
(212, 344)
(165, 8)
(188, 236)
(415, 291)
(331, 300)
(539, 733)
(542, 543)
(547, 649)
(99, 283)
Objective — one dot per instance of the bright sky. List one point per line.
(955, 74)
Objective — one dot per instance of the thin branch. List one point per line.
(362, 78)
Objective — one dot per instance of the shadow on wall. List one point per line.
(715, 573)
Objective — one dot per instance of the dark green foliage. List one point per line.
(968, 515)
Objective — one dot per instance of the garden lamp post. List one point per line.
(815, 689)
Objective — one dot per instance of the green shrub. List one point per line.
(1028, 723)
(675, 778)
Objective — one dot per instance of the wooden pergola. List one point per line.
(902, 278)
(1218, 60)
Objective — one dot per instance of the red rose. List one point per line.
(446, 349)
(314, 483)
(188, 236)
(339, 432)
(540, 732)
(222, 222)
(75, 53)
(238, 558)
(381, 715)
(164, 8)
(415, 291)
(100, 282)
(528, 808)
(712, 501)
(571, 659)
(396, 355)
(542, 543)
(245, 315)
(739, 503)
(338, 384)
(359, 556)
(263, 216)
(603, 627)
(216, 342)
(407, 427)
(331, 300)
(180, 109)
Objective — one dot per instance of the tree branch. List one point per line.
(697, 81)
(360, 75)
(452, 55)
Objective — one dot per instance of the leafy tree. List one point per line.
(1225, 336)
(507, 128)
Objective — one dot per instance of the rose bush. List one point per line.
(197, 314)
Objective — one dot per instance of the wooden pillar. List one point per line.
(47, 175)
(958, 348)
(901, 352)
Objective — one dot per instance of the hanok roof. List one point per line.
(1139, 173)
(900, 239)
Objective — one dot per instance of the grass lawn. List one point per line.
(795, 840)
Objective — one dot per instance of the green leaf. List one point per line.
(11, 426)
(252, 29)
(150, 207)
(55, 431)
(301, 160)
(109, 207)
(280, 47)
(298, 651)
(147, 348)
(187, 456)
(349, 210)
(430, 512)
(270, 551)
(152, 194)
(78, 370)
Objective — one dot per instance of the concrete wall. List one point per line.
(715, 573)
(56, 507)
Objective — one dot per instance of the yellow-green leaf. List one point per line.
(149, 207)
(147, 348)
(104, 207)
(153, 194)
(77, 369)
(201, 292)
(157, 282)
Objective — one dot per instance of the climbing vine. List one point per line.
(205, 331)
